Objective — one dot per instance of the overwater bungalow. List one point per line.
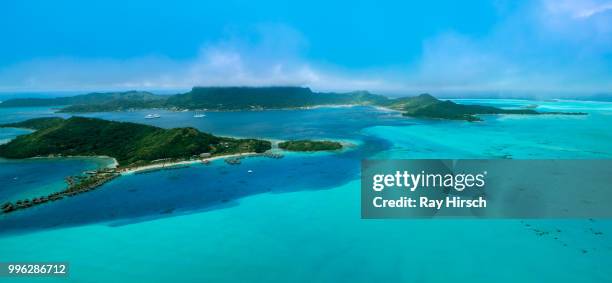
(8, 207)
(273, 155)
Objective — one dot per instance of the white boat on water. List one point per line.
(152, 116)
(199, 115)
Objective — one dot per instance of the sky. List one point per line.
(394, 47)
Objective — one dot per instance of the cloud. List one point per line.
(578, 9)
(541, 47)
(545, 46)
(593, 11)
(271, 57)
(452, 61)
(212, 66)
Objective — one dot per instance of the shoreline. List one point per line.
(99, 178)
(159, 166)
(312, 107)
(112, 165)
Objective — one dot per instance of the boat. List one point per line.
(232, 160)
(152, 116)
(199, 115)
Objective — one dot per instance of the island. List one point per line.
(133, 146)
(427, 106)
(102, 100)
(270, 98)
(308, 145)
(136, 148)
(266, 98)
(130, 144)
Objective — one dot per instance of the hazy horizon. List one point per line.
(5, 95)
(541, 48)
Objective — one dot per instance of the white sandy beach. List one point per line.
(112, 164)
(184, 162)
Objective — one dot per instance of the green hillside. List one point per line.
(261, 98)
(308, 145)
(99, 99)
(247, 98)
(129, 143)
(36, 123)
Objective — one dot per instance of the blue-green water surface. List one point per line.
(297, 219)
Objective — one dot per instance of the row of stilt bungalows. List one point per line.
(84, 184)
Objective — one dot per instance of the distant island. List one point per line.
(266, 98)
(308, 145)
(427, 106)
(113, 101)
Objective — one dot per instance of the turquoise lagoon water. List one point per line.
(30, 178)
(298, 219)
(7, 135)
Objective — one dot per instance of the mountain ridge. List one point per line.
(266, 98)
